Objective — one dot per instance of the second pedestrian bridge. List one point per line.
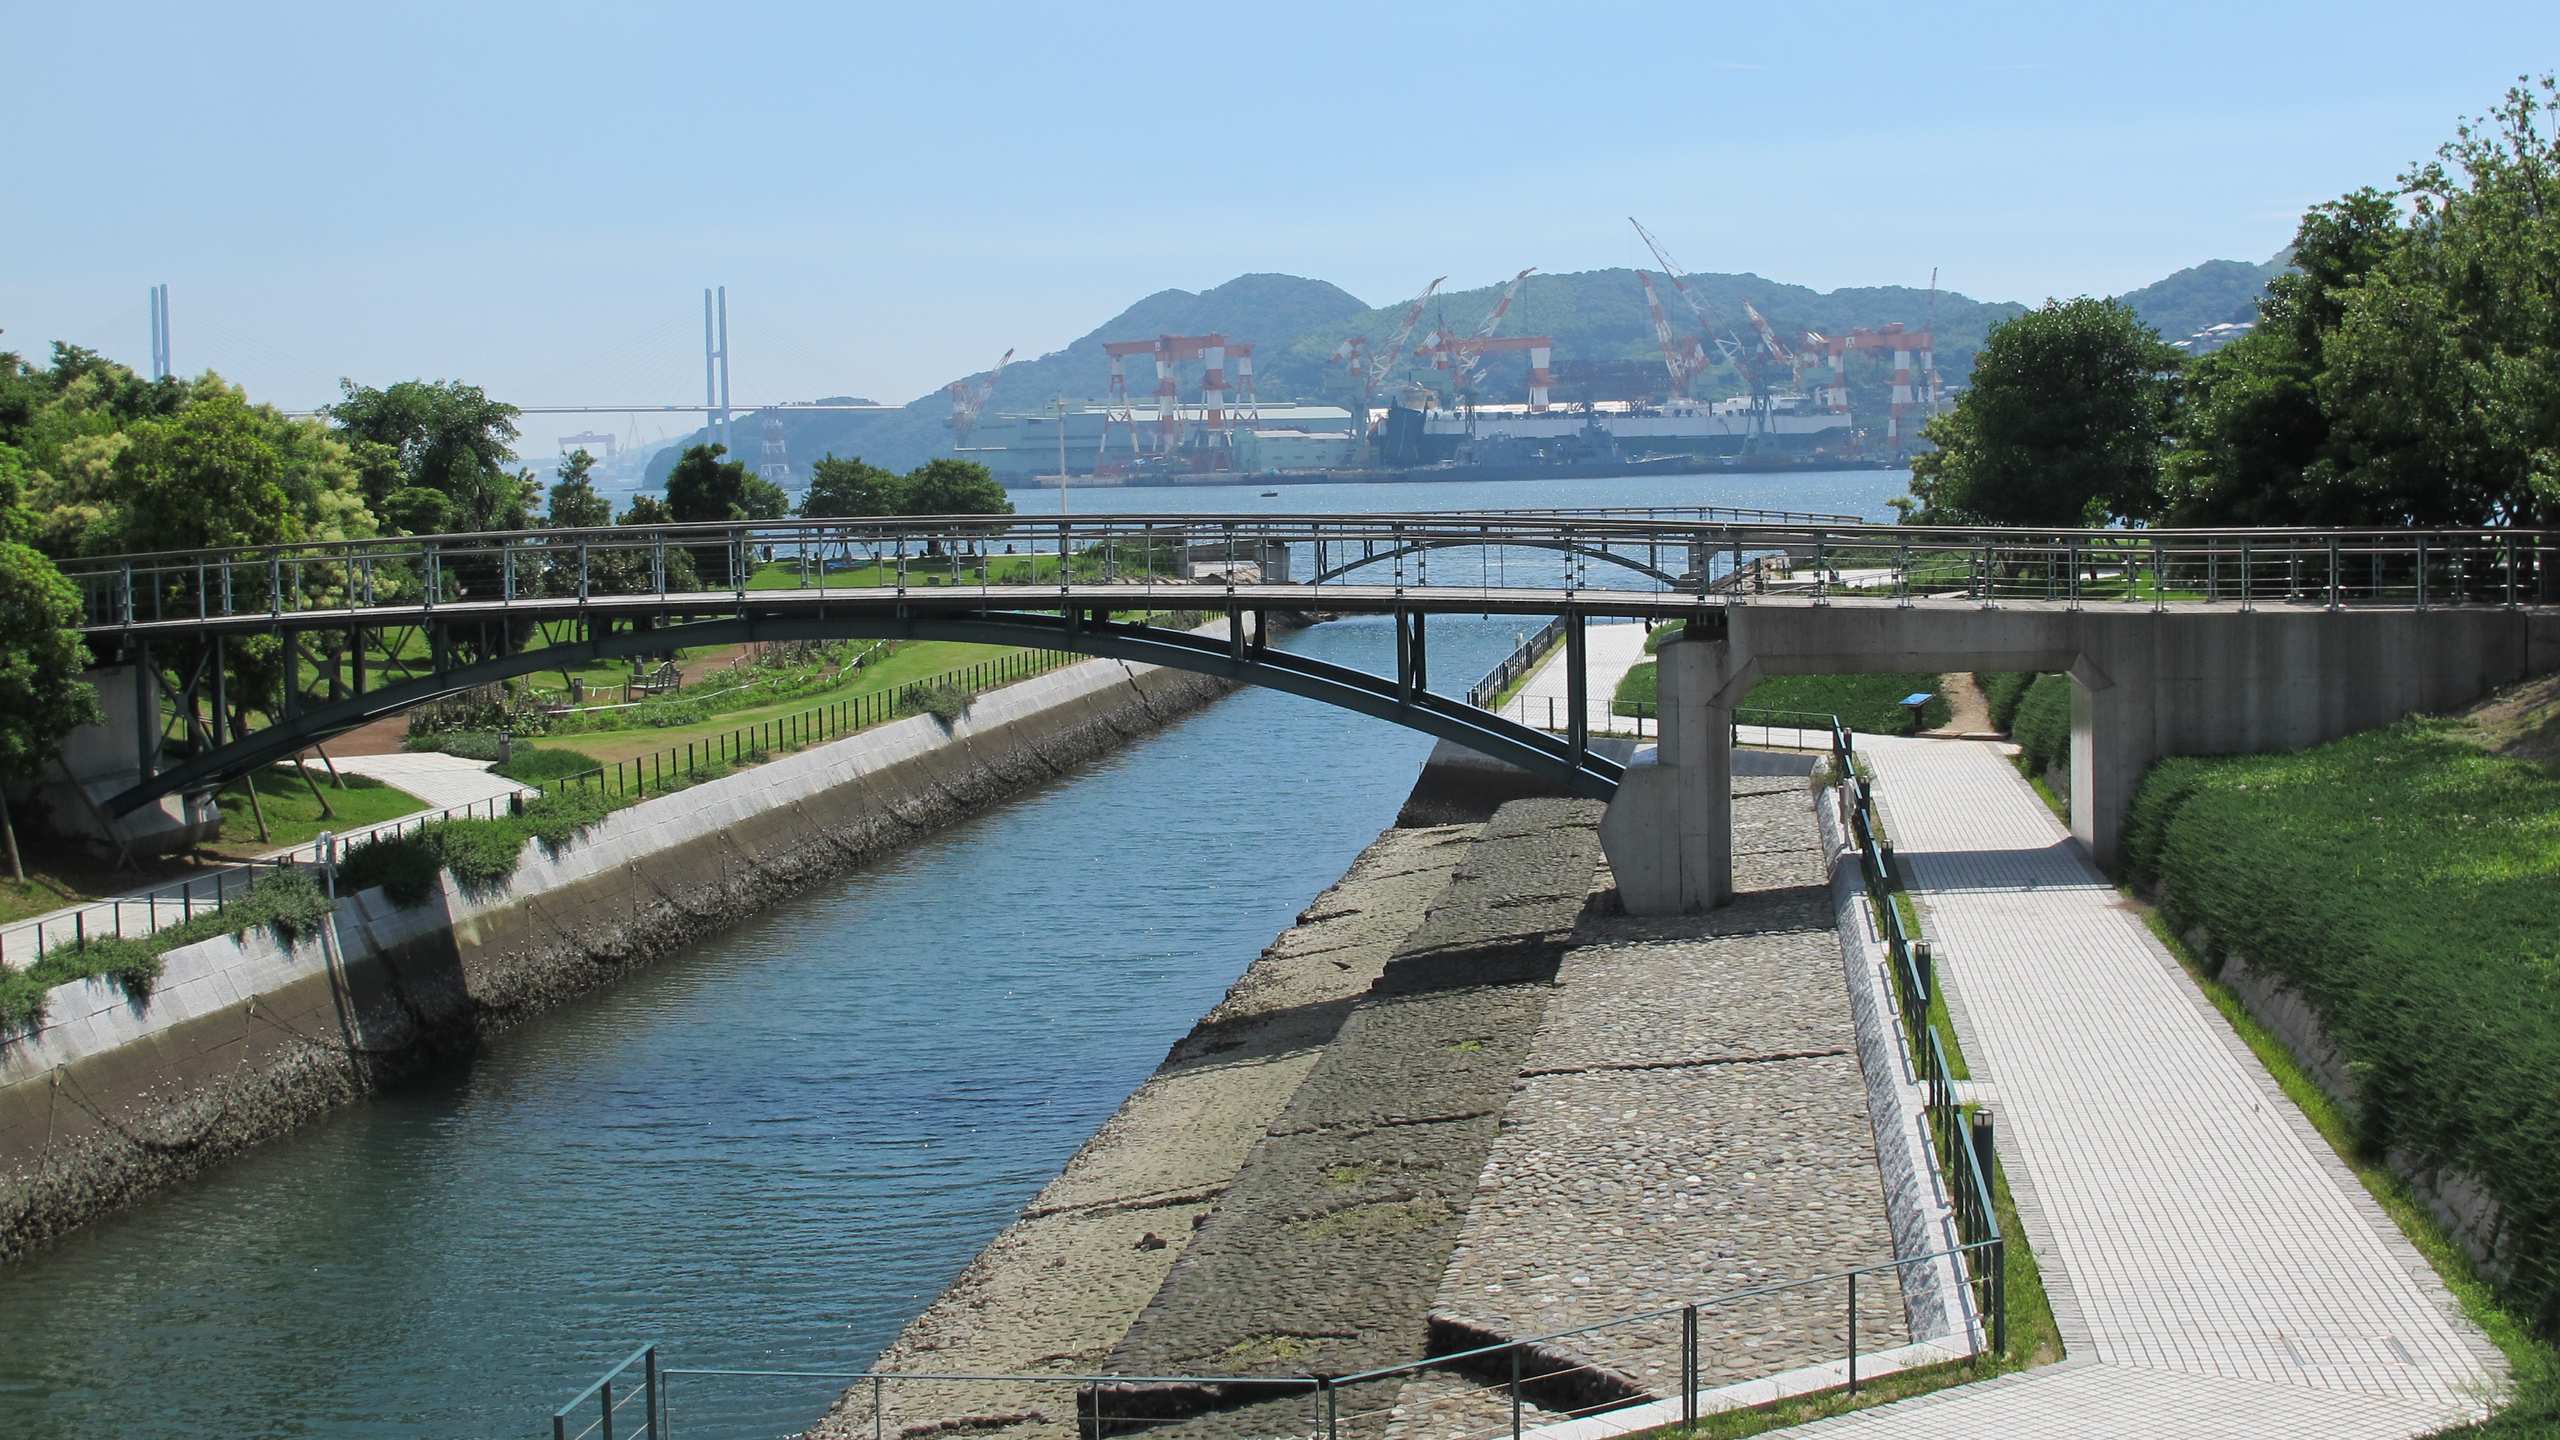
(2179, 642)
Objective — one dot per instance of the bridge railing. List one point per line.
(1493, 552)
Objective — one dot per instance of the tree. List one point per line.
(573, 502)
(2255, 443)
(704, 487)
(2061, 426)
(2443, 376)
(849, 487)
(953, 487)
(221, 471)
(42, 697)
(443, 437)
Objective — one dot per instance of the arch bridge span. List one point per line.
(2180, 642)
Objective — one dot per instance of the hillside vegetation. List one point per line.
(1597, 317)
(2214, 293)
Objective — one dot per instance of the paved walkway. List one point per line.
(1608, 653)
(2216, 1271)
(442, 781)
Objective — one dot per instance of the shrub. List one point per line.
(2401, 881)
(482, 854)
(406, 868)
(2004, 689)
(469, 744)
(945, 701)
(562, 816)
(2042, 724)
(540, 764)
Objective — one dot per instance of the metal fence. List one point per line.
(407, 579)
(1523, 659)
(1963, 1139)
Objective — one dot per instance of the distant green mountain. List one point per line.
(1604, 343)
(2213, 293)
(1259, 308)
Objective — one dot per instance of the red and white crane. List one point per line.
(1465, 357)
(1683, 364)
(1385, 360)
(969, 401)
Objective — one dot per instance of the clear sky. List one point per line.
(531, 196)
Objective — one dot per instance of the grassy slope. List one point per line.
(2402, 881)
(912, 661)
(1871, 704)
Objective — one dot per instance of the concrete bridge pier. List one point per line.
(1669, 831)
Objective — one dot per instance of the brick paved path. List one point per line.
(2216, 1271)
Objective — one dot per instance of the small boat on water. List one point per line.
(1270, 494)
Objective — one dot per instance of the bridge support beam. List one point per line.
(1669, 832)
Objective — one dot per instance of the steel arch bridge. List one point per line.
(1242, 656)
(320, 619)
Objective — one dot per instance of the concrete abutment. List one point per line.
(2146, 685)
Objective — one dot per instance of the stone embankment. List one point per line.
(247, 1037)
(1461, 1103)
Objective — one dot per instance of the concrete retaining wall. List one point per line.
(248, 1036)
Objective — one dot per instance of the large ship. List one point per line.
(1303, 443)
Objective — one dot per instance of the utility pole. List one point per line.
(1062, 456)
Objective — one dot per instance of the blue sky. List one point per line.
(532, 196)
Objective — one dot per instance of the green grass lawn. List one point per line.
(912, 661)
(40, 892)
(294, 814)
(1868, 703)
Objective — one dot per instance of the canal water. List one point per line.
(769, 1153)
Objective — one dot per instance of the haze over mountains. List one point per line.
(1598, 318)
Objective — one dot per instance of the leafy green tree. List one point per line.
(704, 487)
(953, 487)
(221, 471)
(2443, 376)
(574, 503)
(850, 487)
(444, 437)
(2061, 427)
(42, 697)
(17, 520)
(2255, 445)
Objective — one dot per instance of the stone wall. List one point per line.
(247, 1037)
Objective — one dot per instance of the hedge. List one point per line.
(2041, 724)
(2004, 689)
(2404, 882)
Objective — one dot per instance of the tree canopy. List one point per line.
(574, 503)
(2061, 426)
(703, 486)
(434, 455)
(953, 487)
(850, 487)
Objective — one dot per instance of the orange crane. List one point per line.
(969, 401)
